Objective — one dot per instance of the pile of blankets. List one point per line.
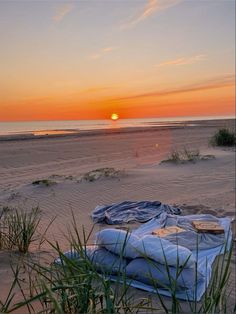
(153, 263)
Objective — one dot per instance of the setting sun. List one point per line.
(114, 117)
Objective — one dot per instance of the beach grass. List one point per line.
(18, 228)
(100, 173)
(223, 137)
(183, 156)
(186, 156)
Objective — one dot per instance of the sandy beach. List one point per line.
(207, 186)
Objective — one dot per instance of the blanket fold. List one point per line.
(129, 211)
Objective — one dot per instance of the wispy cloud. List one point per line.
(108, 49)
(218, 82)
(153, 6)
(102, 52)
(62, 11)
(183, 61)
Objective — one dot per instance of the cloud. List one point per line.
(153, 6)
(108, 49)
(62, 11)
(183, 61)
(218, 82)
(102, 52)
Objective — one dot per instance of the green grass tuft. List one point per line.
(18, 229)
(223, 137)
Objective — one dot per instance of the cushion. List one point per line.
(164, 252)
(118, 241)
(151, 273)
(102, 259)
(105, 261)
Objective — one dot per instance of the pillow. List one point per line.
(164, 252)
(102, 259)
(149, 272)
(105, 261)
(118, 241)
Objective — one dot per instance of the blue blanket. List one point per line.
(117, 251)
(128, 211)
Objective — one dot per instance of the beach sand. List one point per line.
(206, 186)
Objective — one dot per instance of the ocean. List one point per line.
(74, 126)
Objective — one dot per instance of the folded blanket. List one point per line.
(119, 242)
(160, 250)
(128, 211)
(158, 275)
(103, 260)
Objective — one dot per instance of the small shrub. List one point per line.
(183, 156)
(100, 173)
(223, 137)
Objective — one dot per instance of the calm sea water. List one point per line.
(60, 127)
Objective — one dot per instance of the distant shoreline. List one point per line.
(68, 133)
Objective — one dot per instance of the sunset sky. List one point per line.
(88, 59)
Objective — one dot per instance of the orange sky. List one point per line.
(77, 60)
(203, 100)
